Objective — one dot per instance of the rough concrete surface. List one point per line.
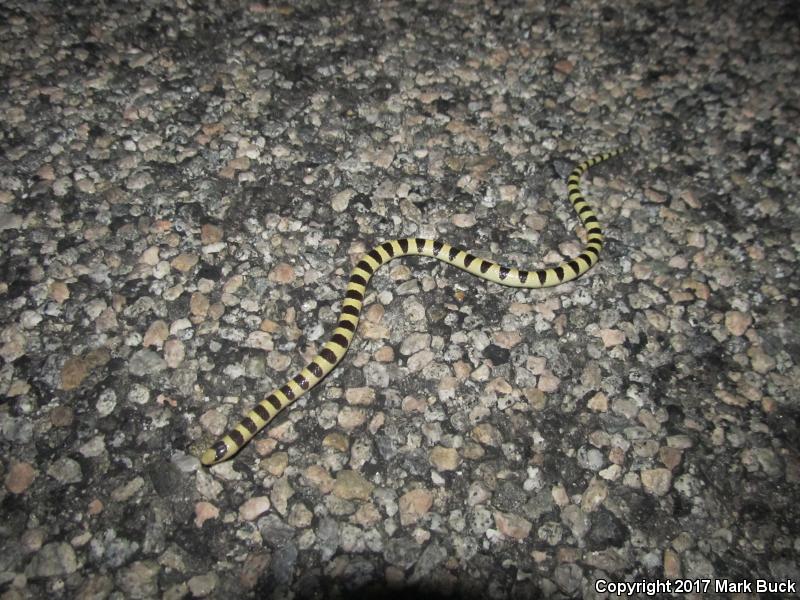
(184, 187)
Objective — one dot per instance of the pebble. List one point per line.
(62, 186)
(480, 374)
(350, 485)
(106, 321)
(300, 517)
(361, 396)
(53, 560)
(367, 515)
(507, 339)
(184, 262)
(65, 471)
(415, 343)
(402, 552)
(336, 441)
(341, 200)
(199, 304)
(594, 495)
(420, 360)
(564, 66)
(671, 564)
(577, 520)
(276, 463)
(139, 580)
(156, 334)
(414, 404)
(612, 473)
(94, 447)
(62, 416)
(203, 511)
(548, 382)
(737, 322)
(486, 434)
(512, 526)
(146, 362)
(128, 490)
(106, 403)
(202, 586)
(282, 491)
(29, 319)
(760, 360)
(211, 234)
(670, 457)
(33, 539)
(174, 353)
(282, 273)
(263, 341)
(74, 371)
(351, 418)
(254, 507)
(213, 421)
(611, 337)
(385, 354)
(444, 459)
(656, 481)
(59, 291)
(207, 486)
(318, 477)
(463, 219)
(20, 477)
(414, 505)
(233, 284)
(598, 402)
(150, 257)
(278, 362)
(446, 389)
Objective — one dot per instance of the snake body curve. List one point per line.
(336, 347)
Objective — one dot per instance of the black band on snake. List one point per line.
(336, 347)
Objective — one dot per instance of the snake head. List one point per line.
(217, 453)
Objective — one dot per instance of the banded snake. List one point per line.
(335, 349)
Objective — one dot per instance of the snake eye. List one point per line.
(220, 448)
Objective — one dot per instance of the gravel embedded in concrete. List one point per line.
(183, 191)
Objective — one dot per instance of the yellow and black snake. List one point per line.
(334, 350)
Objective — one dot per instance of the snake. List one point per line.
(336, 347)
